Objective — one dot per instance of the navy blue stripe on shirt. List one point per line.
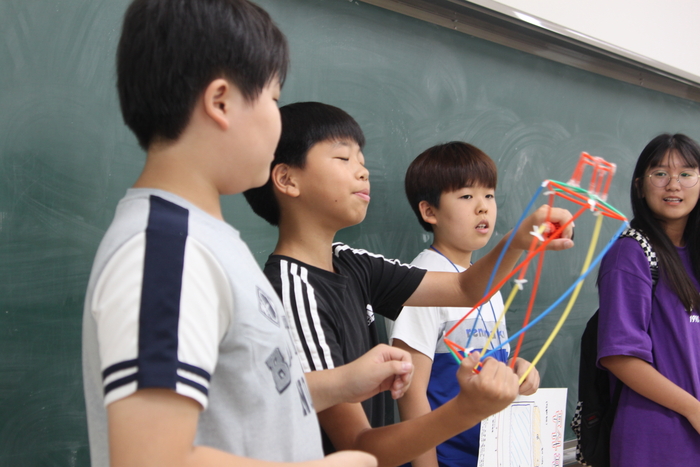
(166, 236)
(132, 377)
(118, 367)
(119, 382)
(191, 383)
(196, 370)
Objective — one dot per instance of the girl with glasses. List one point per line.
(649, 334)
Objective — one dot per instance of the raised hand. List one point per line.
(552, 218)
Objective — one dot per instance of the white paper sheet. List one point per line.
(529, 433)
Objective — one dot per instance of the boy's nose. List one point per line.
(363, 173)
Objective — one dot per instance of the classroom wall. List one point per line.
(662, 30)
(66, 159)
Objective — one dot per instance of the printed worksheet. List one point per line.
(529, 433)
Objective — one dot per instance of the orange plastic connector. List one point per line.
(603, 172)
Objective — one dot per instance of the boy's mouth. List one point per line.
(364, 194)
(482, 226)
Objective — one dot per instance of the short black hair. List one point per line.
(444, 168)
(170, 50)
(304, 124)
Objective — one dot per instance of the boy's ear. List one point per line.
(282, 178)
(427, 212)
(218, 102)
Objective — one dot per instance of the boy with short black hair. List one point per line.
(178, 317)
(319, 185)
(452, 190)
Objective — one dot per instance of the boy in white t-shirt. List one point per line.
(451, 188)
(187, 353)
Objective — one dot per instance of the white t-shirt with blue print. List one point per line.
(423, 329)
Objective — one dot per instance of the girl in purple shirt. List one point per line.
(650, 338)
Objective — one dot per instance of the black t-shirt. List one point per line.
(332, 313)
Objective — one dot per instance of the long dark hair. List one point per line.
(670, 265)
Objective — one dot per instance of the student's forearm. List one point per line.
(205, 457)
(322, 386)
(382, 368)
(481, 395)
(389, 443)
(427, 459)
(393, 445)
(465, 288)
(475, 279)
(415, 402)
(645, 380)
(134, 420)
(413, 406)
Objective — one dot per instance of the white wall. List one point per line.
(666, 31)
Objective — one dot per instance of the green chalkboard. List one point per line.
(66, 159)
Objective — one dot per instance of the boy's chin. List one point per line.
(361, 217)
(355, 220)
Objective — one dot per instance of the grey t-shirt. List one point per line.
(176, 300)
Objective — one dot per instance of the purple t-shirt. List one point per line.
(658, 331)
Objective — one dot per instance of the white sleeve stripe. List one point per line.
(302, 314)
(126, 376)
(181, 387)
(287, 303)
(338, 247)
(187, 390)
(194, 384)
(119, 375)
(317, 320)
(193, 377)
(121, 382)
(120, 392)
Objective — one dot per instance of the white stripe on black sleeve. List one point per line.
(313, 311)
(287, 302)
(307, 331)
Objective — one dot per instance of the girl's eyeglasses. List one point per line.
(661, 178)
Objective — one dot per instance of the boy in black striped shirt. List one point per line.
(319, 184)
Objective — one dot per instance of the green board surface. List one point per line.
(66, 159)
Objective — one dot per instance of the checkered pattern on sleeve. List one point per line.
(648, 250)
